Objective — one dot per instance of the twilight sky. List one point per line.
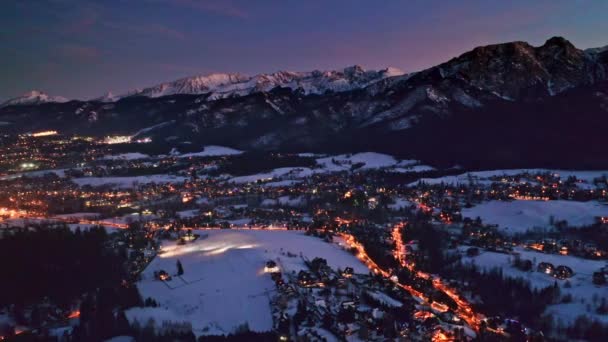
(84, 48)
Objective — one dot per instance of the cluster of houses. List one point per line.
(559, 272)
(588, 250)
(321, 303)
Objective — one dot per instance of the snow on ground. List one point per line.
(188, 213)
(519, 216)
(25, 222)
(82, 215)
(309, 155)
(213, 151)
(414, 168)
(5, 319)
(240, 222)
(87, 226)
(290, 172)
(127, 156)
(482, 177)
(317, 334)
(121, 339)
(59, 332)
(223, 285)
(400, 203)
(32, 174)
(287, 182)
(284, 200)
(582, 288)
(567, 313)
(151, 128)
(385, 299)
(339, 163)
(291, 201)
(128, 218)
(127, 182)
(344, 162)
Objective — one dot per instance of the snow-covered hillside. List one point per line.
(127, 182)
(223, 85)
(212, 151)
(223, 285)
(580, 287)
(33, 97)
(520, 216)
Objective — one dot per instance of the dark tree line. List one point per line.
(57, 264)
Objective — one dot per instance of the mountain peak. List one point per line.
(33, 97)
(559, 41)
(354, 69)
(107, 97)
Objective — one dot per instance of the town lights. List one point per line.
(28, 166)
(44, 134)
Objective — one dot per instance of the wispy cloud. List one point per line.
(79, 52)
(180, 68)
(222, 7)
(148, 30)
(83, 20)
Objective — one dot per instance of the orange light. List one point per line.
(44, 134)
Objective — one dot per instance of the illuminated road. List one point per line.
(464, 310)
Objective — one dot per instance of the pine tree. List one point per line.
(122, 326)
(180, 268)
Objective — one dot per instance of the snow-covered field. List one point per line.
(33, 174)
(371, 160)
(82, 215)
(127, 182)
(223, 285)
(581, 288)
(519, 216)
(21, 223)
(127, 156)
(338, 163)
(283, 172)
(212, 151)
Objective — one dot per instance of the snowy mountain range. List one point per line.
(504, 102)
(219, 86)
(224, 85)
(32, 98)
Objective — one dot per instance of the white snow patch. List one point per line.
(127, 156)
(520, 216)
(344, 162)
(127, 182)
(213, 151)
(223, 285)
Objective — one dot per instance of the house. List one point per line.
(348, 272)
(599, 278)
(271, 267)
(349, 304)
(545, 267)
(304, 278)
(563, 272)
(162, 275)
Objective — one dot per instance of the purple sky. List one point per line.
(82, 49)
